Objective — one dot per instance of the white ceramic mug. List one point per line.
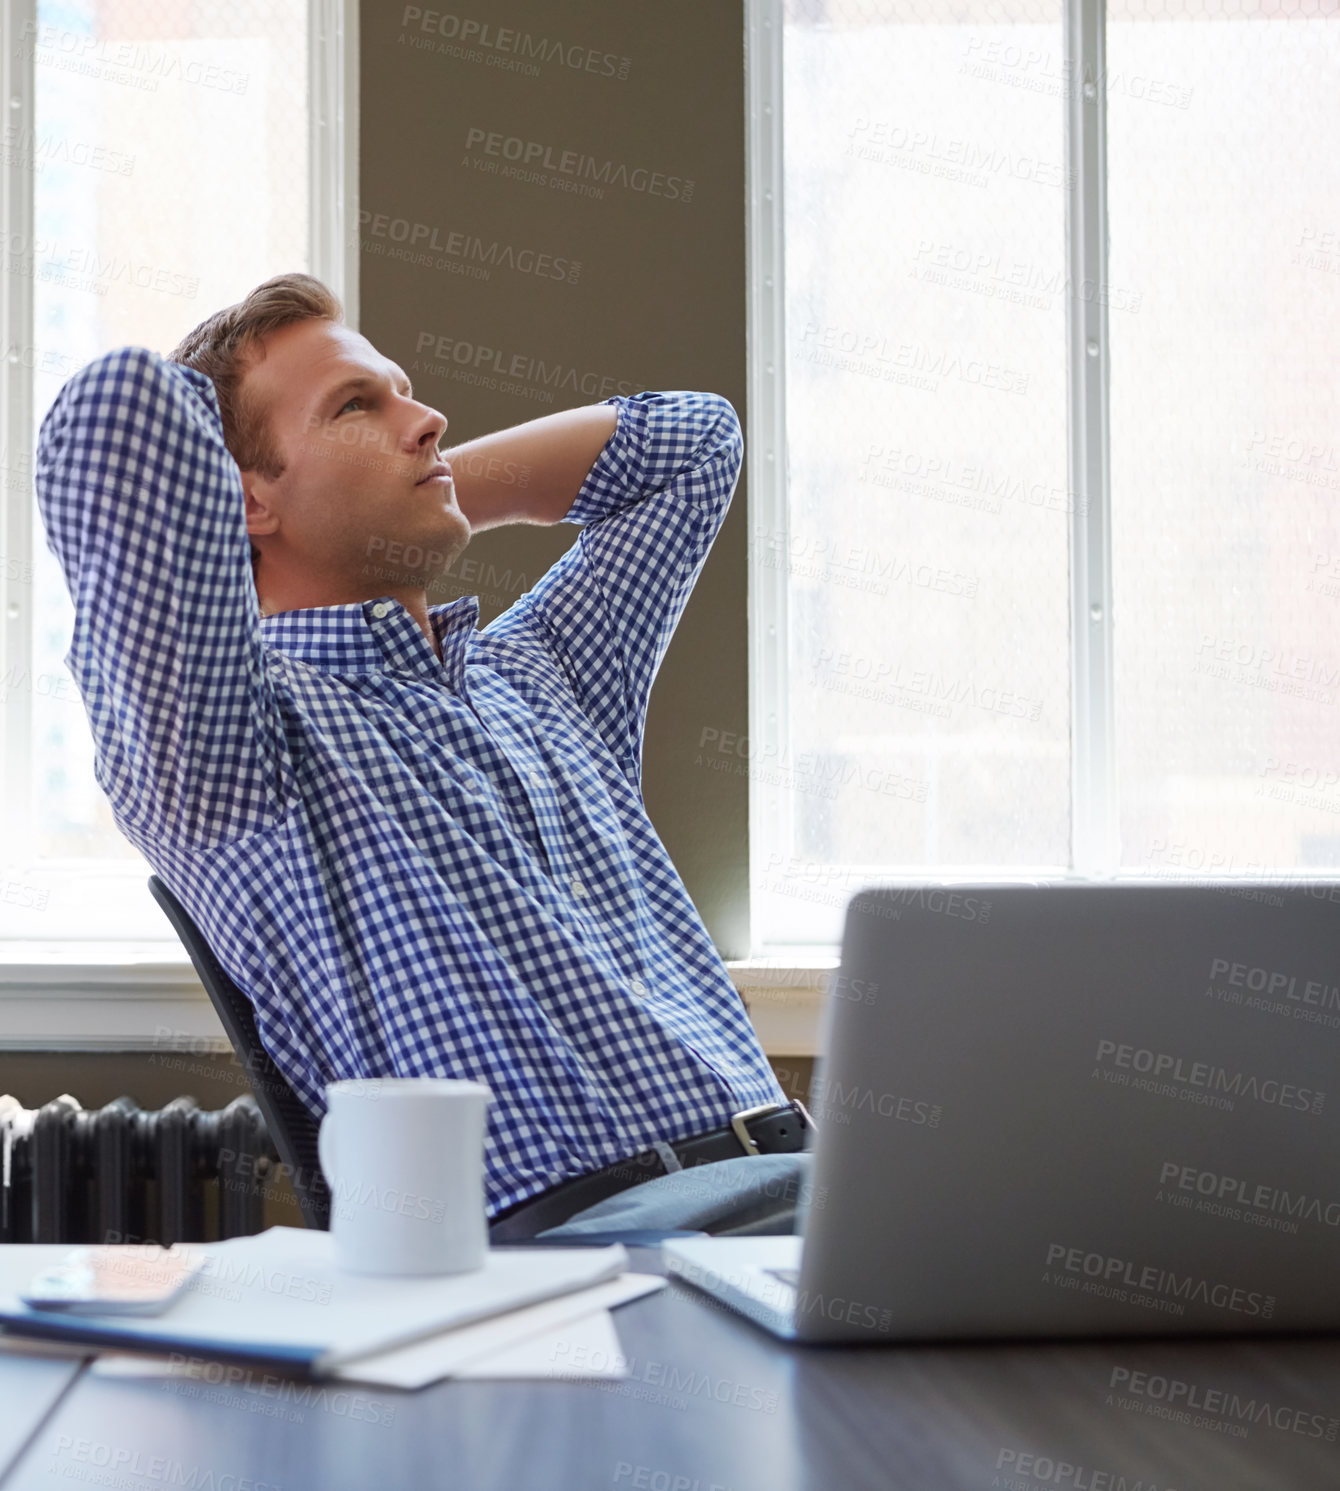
(404, 1159)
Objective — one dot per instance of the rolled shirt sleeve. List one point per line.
(650, 507)
(144, 510)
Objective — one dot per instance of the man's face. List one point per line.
(350, 513)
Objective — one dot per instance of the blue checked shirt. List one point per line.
(412, 866)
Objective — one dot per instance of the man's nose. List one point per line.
(428, 430)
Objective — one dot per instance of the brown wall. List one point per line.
(658, 302)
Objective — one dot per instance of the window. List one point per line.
(159, 163)
(1044, 552)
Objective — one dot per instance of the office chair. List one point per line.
(291, 1126)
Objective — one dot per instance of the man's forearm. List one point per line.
(532, 472)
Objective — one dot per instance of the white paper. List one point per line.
(539, 1333)
(572, 1336)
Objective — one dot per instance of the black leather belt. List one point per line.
(772, 1128)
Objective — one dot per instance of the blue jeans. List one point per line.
(748, 1196)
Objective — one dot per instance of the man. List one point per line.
(420, 848)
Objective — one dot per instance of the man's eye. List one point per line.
(355, 400)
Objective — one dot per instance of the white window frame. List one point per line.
(1095, 842)
(1094, 839)
(108, 995)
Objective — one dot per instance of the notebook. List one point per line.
(279, 1298)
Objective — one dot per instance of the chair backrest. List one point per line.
(291, 1126)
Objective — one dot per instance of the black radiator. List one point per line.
(124, 1174)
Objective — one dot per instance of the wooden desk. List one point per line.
(714, 1404)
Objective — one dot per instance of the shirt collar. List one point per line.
(376, 636)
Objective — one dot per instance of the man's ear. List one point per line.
(261, 515)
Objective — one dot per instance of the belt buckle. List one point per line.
(740, 1119)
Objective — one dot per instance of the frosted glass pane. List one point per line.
(170, 177)
(1224, 207)
(928, 716)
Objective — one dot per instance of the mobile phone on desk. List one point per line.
(117, 1279)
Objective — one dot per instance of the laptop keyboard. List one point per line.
(786, 1275)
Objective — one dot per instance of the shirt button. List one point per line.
(381, 609)
(578, 889)
(638, 988)
(536, 779)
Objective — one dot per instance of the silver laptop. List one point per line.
(1062, 1109)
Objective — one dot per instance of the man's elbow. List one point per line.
(728, 436)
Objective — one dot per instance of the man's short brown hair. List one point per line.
(223, 348)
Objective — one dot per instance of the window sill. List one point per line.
(784, 994)
(146, 997)
(113, 997)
